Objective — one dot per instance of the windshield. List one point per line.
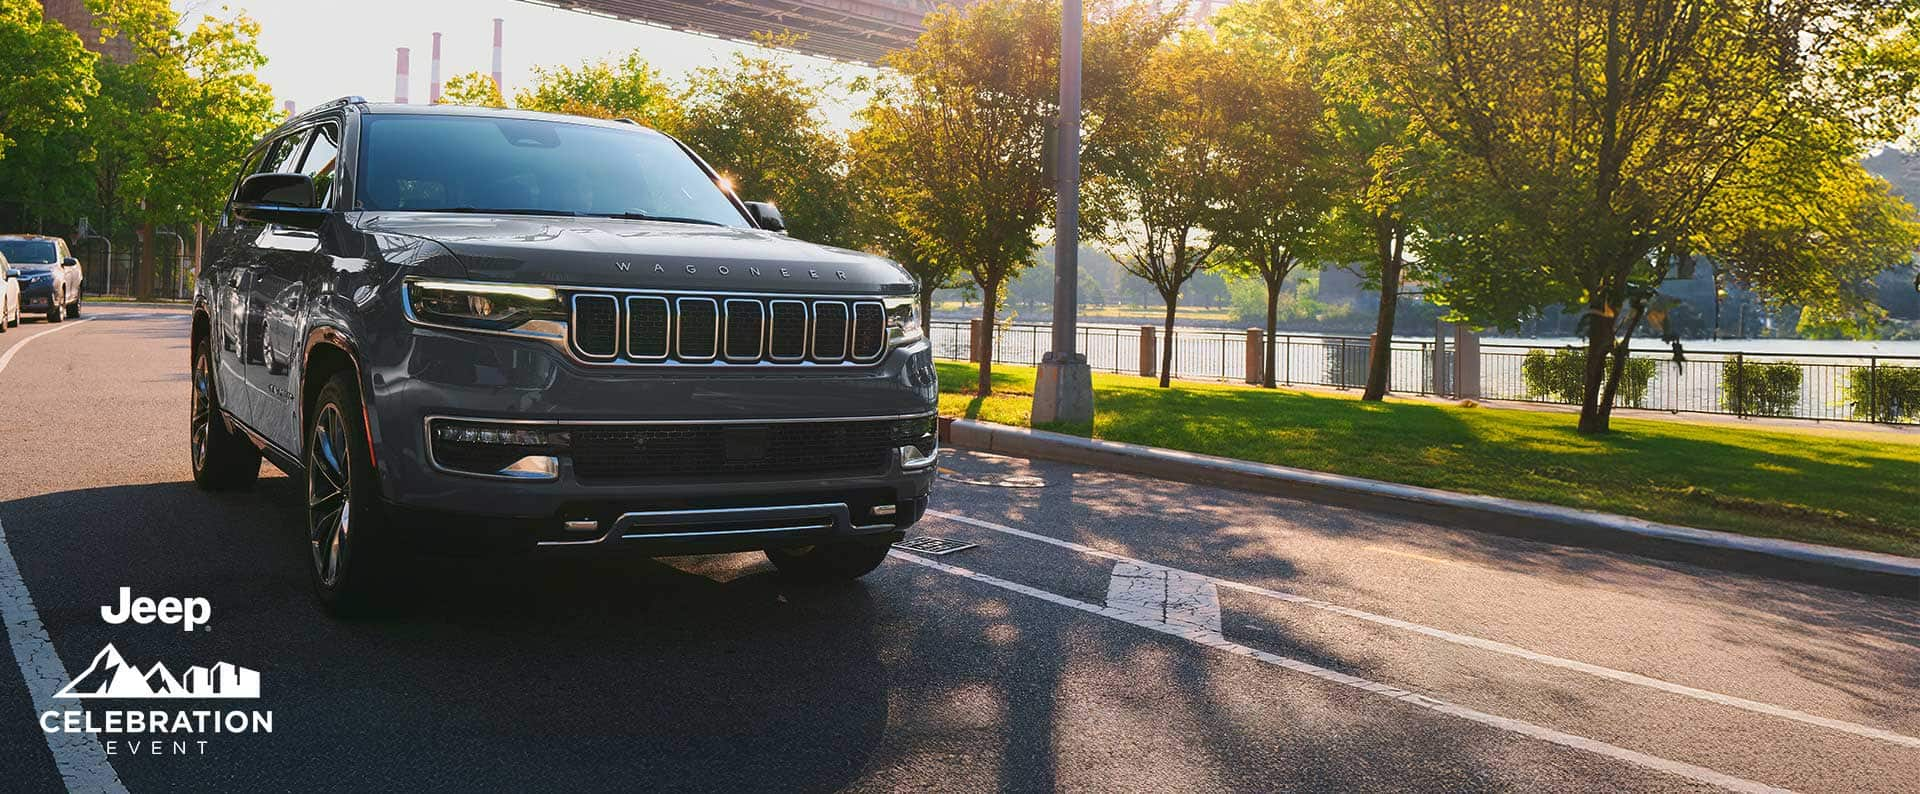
(29, 252)
(480, 164)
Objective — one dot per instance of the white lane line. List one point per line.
(82, 762)
(1213, 639)
(7, 357)
(1165, 595)
(1495, 646)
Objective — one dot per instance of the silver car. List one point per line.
(9, 295)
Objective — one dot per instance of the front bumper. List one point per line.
(426, 373)
(37, 296)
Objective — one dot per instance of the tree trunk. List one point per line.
(1599, 343)
(1619, 367)
(1273, 322)
(988, 305)
(143, 263)
(1166, 344)
(926, 310)
(1380, 360)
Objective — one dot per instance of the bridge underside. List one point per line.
(853, 30)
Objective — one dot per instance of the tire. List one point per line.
(223, 460)
(73, 309)
(54, 314)
(348, 556)
(829, 562)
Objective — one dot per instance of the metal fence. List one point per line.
(1798, 386)
(107, 267)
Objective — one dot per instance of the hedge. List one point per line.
(1561, 375)
(1760, 389)
(1884, 393)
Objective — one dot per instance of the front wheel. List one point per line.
(54, 314)
(222, 458)
(73, 309)
(830, 562)
(348, 558)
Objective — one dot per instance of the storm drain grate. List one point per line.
(933, 546)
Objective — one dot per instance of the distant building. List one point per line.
(74, 16)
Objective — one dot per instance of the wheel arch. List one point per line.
(328, 351)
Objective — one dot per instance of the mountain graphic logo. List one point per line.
(110, 676)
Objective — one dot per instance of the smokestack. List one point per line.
(433, 88)
(498, 25)
(289, 107)
(400, 75)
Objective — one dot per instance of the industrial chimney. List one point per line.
(400, 75)
(498, 25)
(433, 88)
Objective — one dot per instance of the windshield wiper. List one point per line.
(648, 216)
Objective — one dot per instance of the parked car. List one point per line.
(465, 328)
(9, 295)
(50, 278)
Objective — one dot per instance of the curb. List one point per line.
(1861, 571)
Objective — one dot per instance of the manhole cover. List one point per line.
(933, 546)
(994, 480)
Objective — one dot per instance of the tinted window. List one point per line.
(30, 252)
(285, 158)
(319, 161)
(479, 163)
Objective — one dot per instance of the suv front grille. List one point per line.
(726, 329)
(604, 453)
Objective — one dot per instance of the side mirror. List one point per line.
(70, 262)
(285, 199)
(766, 216)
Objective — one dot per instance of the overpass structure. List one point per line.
(848, 30)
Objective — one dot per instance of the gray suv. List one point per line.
(465, 329)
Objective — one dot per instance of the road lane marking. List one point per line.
(1495, 646)
(7, 357)
(82, 762)
(1165, 595)
(1214, 639)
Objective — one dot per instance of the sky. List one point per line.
(319, 50)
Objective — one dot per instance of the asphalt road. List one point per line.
(1250, 642)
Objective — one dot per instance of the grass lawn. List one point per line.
(1860, 490)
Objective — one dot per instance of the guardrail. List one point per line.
(1823, 386)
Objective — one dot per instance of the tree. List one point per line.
(169, 124)
(473, 88)
(973, 99)
(759, 123)
(1167, 167)
(46, 80)
(626, 88)
(890, 208)
(1603, 132)
(1278, 192)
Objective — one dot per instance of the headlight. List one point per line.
(903, 320)
(511, 308)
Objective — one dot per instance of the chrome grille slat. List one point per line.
(668, 328)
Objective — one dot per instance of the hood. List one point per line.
(606, 252)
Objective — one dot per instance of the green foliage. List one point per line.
(46, 75)
(627, 87)
(1884, 393)
(758, 122)
(1560, 375)
(1299, 305)
(473, 88)
(1751, 388)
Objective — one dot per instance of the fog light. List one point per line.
(461, 433)
(533, 467)
(919, 456)
(884, 510)
(582, 525)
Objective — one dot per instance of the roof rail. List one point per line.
(341, 102)
(624, 120)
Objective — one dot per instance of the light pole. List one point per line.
(1063, 389)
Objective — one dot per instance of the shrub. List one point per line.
(1760, 389)
(1560, 375)
(1884, 393)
